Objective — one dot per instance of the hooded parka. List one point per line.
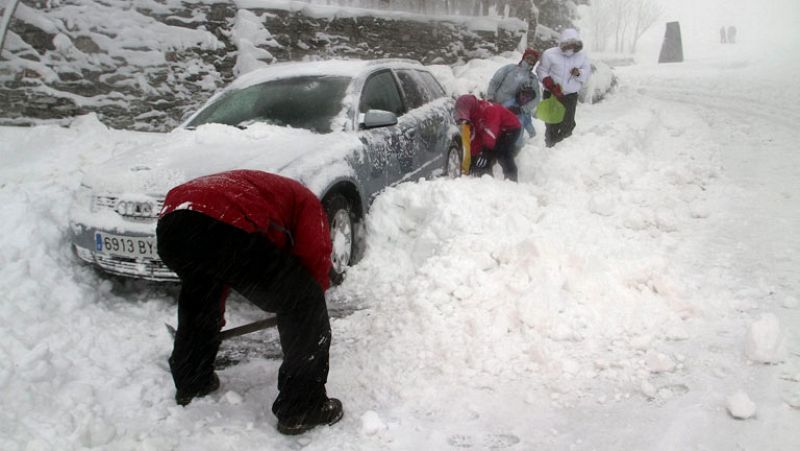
(281, 209)
(511, 79)
(557, 64)
(489, 120)
(265, 236)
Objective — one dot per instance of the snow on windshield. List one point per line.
(309, 102)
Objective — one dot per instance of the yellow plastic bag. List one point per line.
(550, 110)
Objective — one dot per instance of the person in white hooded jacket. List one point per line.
(563, 71)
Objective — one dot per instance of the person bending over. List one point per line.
(266, 237)
(493, 131)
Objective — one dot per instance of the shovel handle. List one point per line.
(240, 330)
(466, 158)
(248, 328)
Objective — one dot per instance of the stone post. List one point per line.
(672, 48)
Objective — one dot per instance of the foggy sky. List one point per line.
(771, 26)
(757, 19)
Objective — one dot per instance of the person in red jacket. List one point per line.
(494, 130)
(266, 237)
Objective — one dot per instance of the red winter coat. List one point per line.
(489, 120)
(274, 206)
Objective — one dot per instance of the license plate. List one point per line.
(125, 246)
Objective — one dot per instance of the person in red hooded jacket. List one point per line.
(266, 237)
(493, 132)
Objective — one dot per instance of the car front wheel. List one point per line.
(342, 222)
(452, 166)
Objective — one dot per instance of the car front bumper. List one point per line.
(84, 243)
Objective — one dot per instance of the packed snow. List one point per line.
(637, 289)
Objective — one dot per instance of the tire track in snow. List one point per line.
(743, 107)
(754, 237)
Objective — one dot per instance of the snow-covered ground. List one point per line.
(636, 290)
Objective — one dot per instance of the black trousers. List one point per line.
(504, 152)
(209, 256)
(555, 133)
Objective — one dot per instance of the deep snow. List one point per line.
(636, 290)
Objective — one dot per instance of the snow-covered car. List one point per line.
(345, 129)
(600, 83)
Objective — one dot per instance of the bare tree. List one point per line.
(600, 24)
(623, 20)
(645, 15)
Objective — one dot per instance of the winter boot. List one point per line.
(329, 412)
(184, 397)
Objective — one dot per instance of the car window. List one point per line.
(432, 86)
(309, 102)
(412, 88)
(380, 93)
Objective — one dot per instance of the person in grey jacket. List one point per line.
(516, 87)
(564, 70)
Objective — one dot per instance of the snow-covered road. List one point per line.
(604, 302)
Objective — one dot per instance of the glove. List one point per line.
(481, 161)
(553, 87)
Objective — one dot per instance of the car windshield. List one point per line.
(309, 102)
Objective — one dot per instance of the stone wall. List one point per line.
(60, 61)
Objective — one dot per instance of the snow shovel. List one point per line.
(240, 330)
(466, 161)
(550, 110)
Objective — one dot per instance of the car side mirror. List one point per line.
(377, 118)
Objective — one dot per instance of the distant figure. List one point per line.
(722, 36)
(732, 34)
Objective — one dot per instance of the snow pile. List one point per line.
(740, 406)
(765, 342)
(371, 423)
(554, 281)
(112, 27)
(249, 34)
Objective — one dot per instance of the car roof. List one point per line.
(343, 68)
